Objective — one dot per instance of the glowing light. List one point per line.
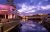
(3, 10)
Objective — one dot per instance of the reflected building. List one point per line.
(37, 17)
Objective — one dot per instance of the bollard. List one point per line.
(1, 27)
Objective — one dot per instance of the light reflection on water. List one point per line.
(32, 26)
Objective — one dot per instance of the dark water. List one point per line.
(29, 26)
(32, 26)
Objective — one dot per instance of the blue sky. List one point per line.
(32, 2)
(2, 1)
(31, 6)
(29, 2)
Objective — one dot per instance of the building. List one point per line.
(8, 20)
(7, 11)
(38, 17)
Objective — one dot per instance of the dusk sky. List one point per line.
(31, 6)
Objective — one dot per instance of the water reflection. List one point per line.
(32, 26)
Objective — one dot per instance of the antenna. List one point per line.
(10, 2)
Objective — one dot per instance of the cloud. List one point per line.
(37, 7)
(45, 7)
(31, 2)
(26, 8)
